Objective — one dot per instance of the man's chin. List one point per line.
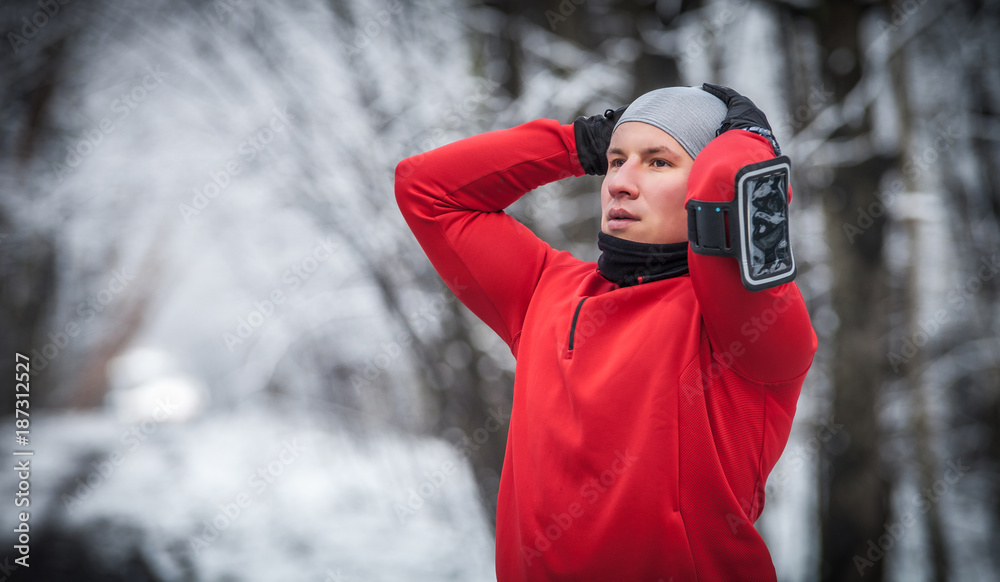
(623, 233)
(637, 235)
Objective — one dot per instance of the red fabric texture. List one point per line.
(642, 452)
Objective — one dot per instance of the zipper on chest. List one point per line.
(572, 329)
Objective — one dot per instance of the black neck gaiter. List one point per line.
(628, 263)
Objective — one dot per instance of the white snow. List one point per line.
(257, 496)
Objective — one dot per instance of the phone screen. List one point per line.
(767, 252)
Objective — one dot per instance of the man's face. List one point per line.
(642, 197)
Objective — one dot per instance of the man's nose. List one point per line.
(623, 184)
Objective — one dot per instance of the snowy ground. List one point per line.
(247, 496)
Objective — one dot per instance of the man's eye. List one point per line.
(661, 163)
(616, 163)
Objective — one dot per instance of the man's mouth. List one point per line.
(619, 219)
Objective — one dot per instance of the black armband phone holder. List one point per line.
(753, 227)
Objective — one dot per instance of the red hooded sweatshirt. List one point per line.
(645, 419)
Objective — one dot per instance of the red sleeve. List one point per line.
(765, 335)
(452, 199)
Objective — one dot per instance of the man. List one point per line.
(653, 392)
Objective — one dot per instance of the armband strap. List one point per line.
(710, 228)
(753, 227)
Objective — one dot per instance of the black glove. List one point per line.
(742, 114)
(593, 135)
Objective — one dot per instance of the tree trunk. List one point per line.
(913, 367)
(854, 505)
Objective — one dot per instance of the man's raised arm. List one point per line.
(452, 199)
(764, 335)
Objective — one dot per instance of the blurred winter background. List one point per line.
(244, 368)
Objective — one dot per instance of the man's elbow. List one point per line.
(799, 349)
(404, 184)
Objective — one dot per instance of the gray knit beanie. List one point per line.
(689, 114)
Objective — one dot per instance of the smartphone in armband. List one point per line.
(753, 227)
